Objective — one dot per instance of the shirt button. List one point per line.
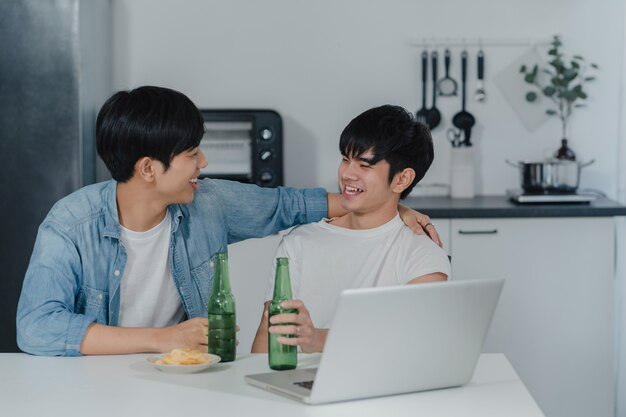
(116, 273)
(211, 264)
(100, 297)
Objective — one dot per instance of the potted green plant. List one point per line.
(565, 88)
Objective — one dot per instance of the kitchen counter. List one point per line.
(503, 207)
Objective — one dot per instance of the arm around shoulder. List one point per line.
(251, 211)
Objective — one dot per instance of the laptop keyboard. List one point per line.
(305, 384)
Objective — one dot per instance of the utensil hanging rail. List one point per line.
(478, 42)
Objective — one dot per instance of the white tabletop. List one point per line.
(128, 385)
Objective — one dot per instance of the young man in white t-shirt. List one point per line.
(385, 153)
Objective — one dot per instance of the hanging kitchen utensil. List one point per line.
(454, 137)
(433, 117)
(447, 85)
(463, 119)
(420, 115)
(480, 94)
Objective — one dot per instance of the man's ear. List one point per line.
(145, 169)
(402, 180)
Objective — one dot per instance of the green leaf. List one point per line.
(547, 71)
(551, 112)
(570, 95)
(522, 69)
(549, 91)
(594, 66)
(590, 78)
(557, 82)
(535, 69)
(578, 57)
(575, 65)
(577, 92)
(580, 105)
(570, 74)
(529, 78)
(531, 96)
(552, 51)
(558, 66)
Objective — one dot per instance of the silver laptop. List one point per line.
(395, 340)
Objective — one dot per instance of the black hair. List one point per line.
(392, 134)
(148, 121)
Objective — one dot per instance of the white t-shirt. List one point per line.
(325, 259)
(148, 295)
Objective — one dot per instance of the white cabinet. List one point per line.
(554, 320)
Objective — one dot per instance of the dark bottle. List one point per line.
(281, 357)
(564, 152)
(222, 321)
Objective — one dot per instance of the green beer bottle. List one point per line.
(222, 322)
(281, 357)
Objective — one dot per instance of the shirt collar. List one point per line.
(112, 218)
(177, 214)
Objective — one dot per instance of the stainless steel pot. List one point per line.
(551, 176)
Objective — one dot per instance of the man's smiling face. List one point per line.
(178, 183)
(365, 186)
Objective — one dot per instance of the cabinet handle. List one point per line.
(478, 232)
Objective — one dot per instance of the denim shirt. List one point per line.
(73, 278)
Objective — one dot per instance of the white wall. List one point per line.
(322, 63)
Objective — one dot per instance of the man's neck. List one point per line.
(137, 207)
(369, 220)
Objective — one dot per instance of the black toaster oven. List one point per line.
(243, 145)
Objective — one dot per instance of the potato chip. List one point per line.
(183, 356)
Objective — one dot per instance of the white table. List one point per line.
(116, 386)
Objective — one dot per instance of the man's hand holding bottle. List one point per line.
(299, 326)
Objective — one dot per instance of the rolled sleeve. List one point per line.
(76, 332)
(316, 202)
(45, 321)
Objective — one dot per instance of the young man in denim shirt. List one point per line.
(124, 266)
